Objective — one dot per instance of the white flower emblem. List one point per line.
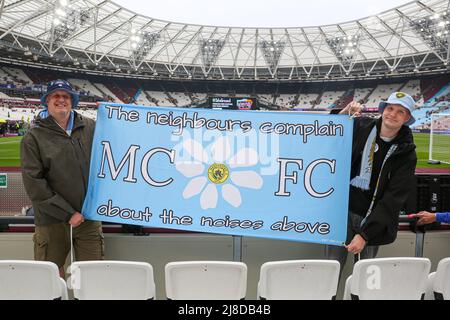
(220, 171)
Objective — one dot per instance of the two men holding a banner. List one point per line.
(382, 176)
(55, 157)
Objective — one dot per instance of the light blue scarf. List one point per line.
(388, 154)
(362, 180)
(44, 114)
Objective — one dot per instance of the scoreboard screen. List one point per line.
(233, 103)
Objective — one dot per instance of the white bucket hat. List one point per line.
(402, 99)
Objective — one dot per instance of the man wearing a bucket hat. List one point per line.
(382, 176)
(55, 157)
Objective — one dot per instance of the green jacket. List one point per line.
(55, 168)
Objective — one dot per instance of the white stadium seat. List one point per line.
(388, 279)
(31, 280)
(112, 280)
(206, 280)
(439, 281)
(299, 280)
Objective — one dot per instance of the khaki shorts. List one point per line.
(51, 242)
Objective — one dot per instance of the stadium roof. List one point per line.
(101, 35)
(257, 14)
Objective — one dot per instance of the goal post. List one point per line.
(439, 139)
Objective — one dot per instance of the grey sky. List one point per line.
(260, 13)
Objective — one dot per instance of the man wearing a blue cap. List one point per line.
(382, 176)
(55, 156)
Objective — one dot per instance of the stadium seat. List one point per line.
(388, 279)
(31, 280)
(429, 294)
(299, 280)
(439, 281)
(206, 280)
(111, 280)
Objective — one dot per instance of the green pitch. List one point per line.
(422, 141)
(10, 154)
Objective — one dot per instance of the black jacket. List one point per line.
(55, 168)
(397, 181)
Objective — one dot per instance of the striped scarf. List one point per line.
(362, 180)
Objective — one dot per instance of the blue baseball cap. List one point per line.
(403, 99)
(59, 84)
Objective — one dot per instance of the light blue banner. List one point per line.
(281, 175)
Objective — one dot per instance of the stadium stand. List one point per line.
(25, 94)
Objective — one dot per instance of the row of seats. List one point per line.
(372, 279)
